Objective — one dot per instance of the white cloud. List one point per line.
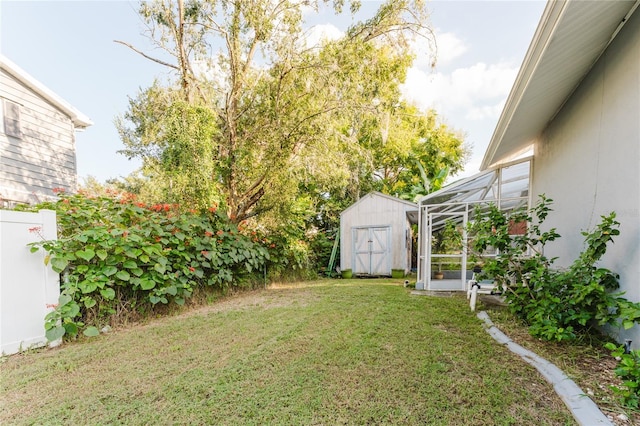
(447, 47)
(485, 111)
(476, 92)
(322, 32)
(450, 47)
(471, 168)
(468, 99)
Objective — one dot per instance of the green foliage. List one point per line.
(448, 240)
(628, 370)
(115, 253)
(252, 123)
(62, 320)
(264, 123)
(178, 142)
(292, 247)
(412, 152)
(557, 304)
(186, 165)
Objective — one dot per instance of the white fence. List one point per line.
(28, 288)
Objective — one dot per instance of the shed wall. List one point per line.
(588, 161)
(44, 158)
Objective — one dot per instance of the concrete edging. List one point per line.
(583, 409)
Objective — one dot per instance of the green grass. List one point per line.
(326, 352)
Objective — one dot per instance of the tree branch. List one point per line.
(161, 62)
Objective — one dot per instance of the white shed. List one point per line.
(375, 236)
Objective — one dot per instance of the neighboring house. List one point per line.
(375, 235)
(576, 102)
(37, 138)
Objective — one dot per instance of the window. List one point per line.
(11, 119)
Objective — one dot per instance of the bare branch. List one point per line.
(159, 61)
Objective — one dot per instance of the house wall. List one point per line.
(45, 156)
(375, 210)
(588, 161)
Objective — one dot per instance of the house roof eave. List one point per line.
(568, 41)
(80, 121)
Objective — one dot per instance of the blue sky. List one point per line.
(68, 46)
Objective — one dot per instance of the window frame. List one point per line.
(10, 119)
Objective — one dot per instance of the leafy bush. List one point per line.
(294, 249)
(115, 254)
(628, 370)
(321, 246)
(557, 304)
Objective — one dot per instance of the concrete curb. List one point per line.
(583, 409)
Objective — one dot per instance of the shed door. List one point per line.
(372, 250)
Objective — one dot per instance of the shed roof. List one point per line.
(570, 38)
(410, 208)
(80, 121)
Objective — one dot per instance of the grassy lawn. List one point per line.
(325, 352)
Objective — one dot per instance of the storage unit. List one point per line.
(375, 236)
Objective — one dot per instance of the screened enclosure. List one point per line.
(443, 241)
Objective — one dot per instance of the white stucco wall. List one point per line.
(588, 161)
(377, 210)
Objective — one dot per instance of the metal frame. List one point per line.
(461, 207)
(462, 255)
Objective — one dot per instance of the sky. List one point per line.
(69, 47)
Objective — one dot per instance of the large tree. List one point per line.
(274, 109)
(413, 152)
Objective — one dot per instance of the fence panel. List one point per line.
(28, 287)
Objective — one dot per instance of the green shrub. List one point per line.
(115, 254)
(557, 304)
(321, 246)
(628, 370)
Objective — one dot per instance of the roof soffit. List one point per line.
(569, 40)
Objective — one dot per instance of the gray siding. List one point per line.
(44, 158)
(588, 161)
